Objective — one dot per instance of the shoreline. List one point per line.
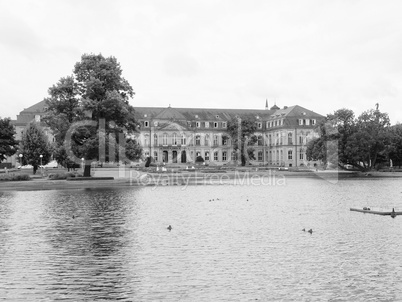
(142, 179)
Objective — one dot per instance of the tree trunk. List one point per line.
(35, 168)
(243, 160)
(87, 171)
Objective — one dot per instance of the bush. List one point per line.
(58, 176)
(14, 177)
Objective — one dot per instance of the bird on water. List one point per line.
(169, 227)
(310, 231)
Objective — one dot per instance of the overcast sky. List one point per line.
(322, 55)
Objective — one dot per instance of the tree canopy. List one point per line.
(33, 144)
(8, 143)
(362, 142)
(242, 131)
(87, 108)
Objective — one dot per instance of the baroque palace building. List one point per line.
(179, 135)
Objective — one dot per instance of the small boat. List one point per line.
(377, 211)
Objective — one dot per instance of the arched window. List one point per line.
(259, 140)
(146, 140)
(165, 139)
(174, 139)
(290, 138)
(206, 140)
(197, 140)
(183, 139)
(155, 139)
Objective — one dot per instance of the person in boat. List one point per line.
(393, 214)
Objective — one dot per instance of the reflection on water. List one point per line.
(245, 244)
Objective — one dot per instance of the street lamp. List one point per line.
(41, 167)
(82, 164)
(20, 156)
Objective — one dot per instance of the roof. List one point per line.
(191, 114)
(38, 107)
(201, 114)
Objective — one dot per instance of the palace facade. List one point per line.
(179, 135)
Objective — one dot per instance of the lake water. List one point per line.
(246, 244)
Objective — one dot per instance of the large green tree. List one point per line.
(90, 106)
(34, 143)
(241, 130)
(395, 153)
(360, 142)
(334, 132)
(8, 143)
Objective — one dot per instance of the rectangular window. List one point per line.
(224, 156)
(206, 155)
(223, 124)
(146, 124)
(216, 156)
(259, 125)
(312, 122)
(215, 124)
(206, 124)
(290, 154)
(301, 140)
(300, 122)
(307, 122)
(301, 156)
(198, 124)
(215, 140)
(260, 155)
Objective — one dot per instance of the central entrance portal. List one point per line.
(165, 156)
(183, 157)
(174, 156)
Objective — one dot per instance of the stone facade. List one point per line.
(179, 135)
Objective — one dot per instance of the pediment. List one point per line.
(171, 126)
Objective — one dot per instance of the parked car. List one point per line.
(25, 167)
(52, 164)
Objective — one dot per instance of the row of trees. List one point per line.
(365, 142)
(89, 115)
(34, 146)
